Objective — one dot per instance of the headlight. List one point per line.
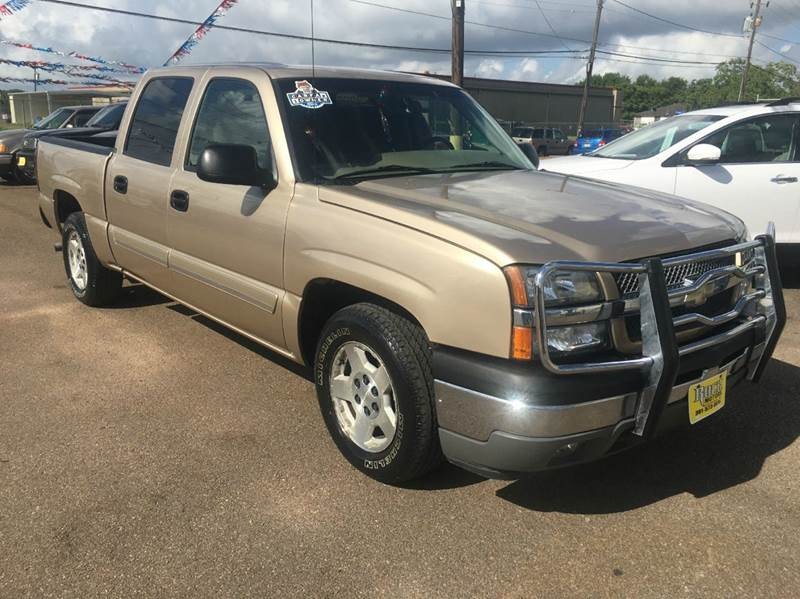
(560, 287)
(3, 148)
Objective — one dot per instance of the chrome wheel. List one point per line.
(363, 397)
(76, 257)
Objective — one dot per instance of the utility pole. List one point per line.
(589, 67)
(35, 78)
(753, 24)
(457, 7)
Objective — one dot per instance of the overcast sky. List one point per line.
(149, 43)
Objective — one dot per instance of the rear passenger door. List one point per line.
(226, 241)
(138, 180)
(757, 177)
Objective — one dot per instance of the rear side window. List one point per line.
(82, 117)
(155, 122)
(231, 113)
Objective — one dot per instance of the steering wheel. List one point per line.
(438, 143)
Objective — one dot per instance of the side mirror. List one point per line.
(703, 154)
(232, 164)
(530, 152)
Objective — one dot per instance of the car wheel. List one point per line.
(375, 388)
(91, 282)
(542, 150)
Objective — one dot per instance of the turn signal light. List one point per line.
(521, 343)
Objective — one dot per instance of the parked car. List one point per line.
(591, 139)
(740, 158)
(106, 119)
(449, 299)
(11, 139)
(546, 140)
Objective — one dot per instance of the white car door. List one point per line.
(757, 177)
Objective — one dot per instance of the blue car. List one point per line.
(592, 139)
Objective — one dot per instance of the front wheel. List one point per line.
(91, 282)
(375, 389)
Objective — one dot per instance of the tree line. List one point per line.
(774, 80)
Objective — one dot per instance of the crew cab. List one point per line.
(449, 300)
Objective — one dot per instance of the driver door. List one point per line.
(757, 177)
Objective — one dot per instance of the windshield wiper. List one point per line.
(387, 169)
(492, 164)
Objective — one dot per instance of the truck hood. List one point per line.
(582, 164)
(534, 217)
(12, 138)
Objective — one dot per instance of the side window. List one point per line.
(559, 134)
(231, 113)
(155, 122)
(82, 117)
(763, 139)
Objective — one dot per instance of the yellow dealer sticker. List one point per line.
(707, 397)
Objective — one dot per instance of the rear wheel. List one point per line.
(91, 282)
(375, 390)
(542, 150)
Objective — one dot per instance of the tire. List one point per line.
(402, 349)
(542, 150)
(93, 284)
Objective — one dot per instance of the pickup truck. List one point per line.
(449, 300)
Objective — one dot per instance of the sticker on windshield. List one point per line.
(307, 96)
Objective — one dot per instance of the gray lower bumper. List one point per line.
(506, 437)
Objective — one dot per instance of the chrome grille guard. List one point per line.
(660, 355)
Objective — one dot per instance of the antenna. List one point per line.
(313, 57)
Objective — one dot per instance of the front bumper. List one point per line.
(504, 418)
(26, 162)
(6, 165)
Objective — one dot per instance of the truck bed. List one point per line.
(75, 167)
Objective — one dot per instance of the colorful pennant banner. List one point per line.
(9, 8)
(123, 66)
(186, 48)
(67, 69)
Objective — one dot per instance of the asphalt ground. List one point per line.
(145, 451)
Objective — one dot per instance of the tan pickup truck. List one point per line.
(452, 301)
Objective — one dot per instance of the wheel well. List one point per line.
(66, 204)
(322, 298)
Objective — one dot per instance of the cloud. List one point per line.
(149, 42)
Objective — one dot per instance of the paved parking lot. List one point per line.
(145, 451)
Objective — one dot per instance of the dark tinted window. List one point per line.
(109, 117)
(155, 123)
(592, 133)
(82, 117)
(538, 133)
(522, 132)
(231, 113)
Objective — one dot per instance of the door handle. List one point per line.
(179, 200)
(121, 184)
(783, 179)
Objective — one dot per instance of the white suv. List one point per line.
(743, 159)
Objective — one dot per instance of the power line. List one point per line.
(675, 23)
(550, 25)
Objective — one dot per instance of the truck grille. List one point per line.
(677, 276)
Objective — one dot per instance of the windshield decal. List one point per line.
(307, 96)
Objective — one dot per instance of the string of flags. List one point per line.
(9, 8)
(186, 48)
(111, 65)
(49, 81)
(67, 69)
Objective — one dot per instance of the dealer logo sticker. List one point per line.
(307, 96)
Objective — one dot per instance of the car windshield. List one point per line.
(54, 120)
(108, 118)
(523, 132)
(345, 129)
(656, 138)
(592, 133)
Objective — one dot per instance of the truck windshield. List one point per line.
(54, 120)
(656, 138)
(345, 129)
(108, 118)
